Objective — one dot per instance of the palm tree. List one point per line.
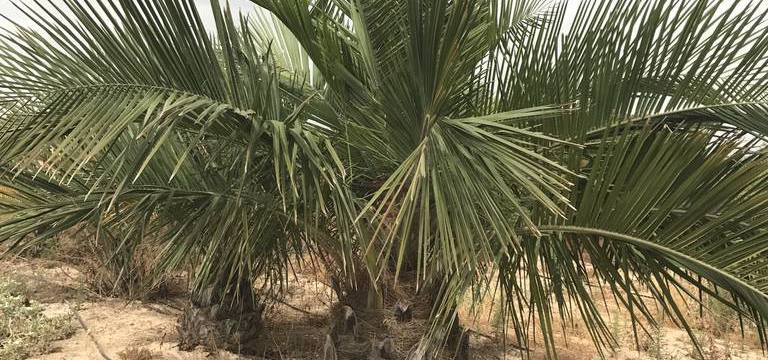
(459, 147)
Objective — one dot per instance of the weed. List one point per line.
(24, 330)
(722, 319)
(711, 350)
(136, 354)
(656, 346)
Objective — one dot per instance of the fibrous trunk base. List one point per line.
(221, 324)
(389, 331)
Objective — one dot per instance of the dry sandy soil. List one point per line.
(126, 330)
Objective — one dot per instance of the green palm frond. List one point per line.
(405, 135)
(178, 119)
(661, 203)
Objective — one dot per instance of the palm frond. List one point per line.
(659, 206)
(396, 135)
(174, 118)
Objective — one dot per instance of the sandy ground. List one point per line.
(113, 325)
(297, 327)
(118, 326)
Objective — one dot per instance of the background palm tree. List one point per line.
(456, 146)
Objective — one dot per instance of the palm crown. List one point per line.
(472, 144)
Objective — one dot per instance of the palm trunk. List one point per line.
(220, 318)
(362, 329)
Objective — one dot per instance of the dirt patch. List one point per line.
(116, 325)
(296, 326)
(47, 281)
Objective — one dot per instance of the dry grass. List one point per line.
(297, 325)
(134, 353)
(716, 327)
(127, 273)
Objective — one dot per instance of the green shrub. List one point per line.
(24, 329)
